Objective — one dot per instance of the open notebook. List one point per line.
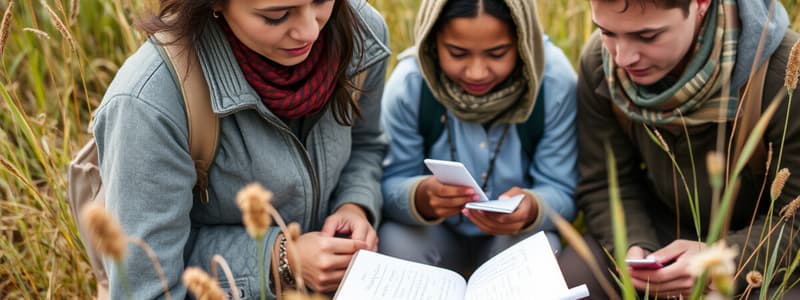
(527, 270)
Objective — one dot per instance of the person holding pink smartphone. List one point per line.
(677, 70)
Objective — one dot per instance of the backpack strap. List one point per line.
(531, 132)
(203, 124)
(430, 119)
(751, 111)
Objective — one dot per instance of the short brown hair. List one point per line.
(682, 4)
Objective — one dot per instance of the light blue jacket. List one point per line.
(141, 134)
(551, 175)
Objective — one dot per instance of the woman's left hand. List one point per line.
(350, 220)
(499, 223)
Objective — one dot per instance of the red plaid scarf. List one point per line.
(289, 92)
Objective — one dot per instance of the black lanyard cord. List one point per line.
(492, 159)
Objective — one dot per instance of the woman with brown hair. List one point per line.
(281, 78)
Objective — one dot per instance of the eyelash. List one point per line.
(277, 21)
(462, 55)
(649, 38)
(280, 20)
(641, 38)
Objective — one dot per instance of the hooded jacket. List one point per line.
(530, 46)
(550, 173)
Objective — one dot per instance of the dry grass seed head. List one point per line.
(294, 231)
(662, 140)
(60, 26)
(778, 183)
(718, 260)
(715, 163)
(754, 279)
(74, 6)
(41, 34)
(790, 210)
(105, 234)
(4, 27)
(254, 201)
(202, 286)
(793, 67)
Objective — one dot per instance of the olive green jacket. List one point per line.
(653, 193)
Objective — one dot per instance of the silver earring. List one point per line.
(215, 14)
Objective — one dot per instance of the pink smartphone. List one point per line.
(644, 263)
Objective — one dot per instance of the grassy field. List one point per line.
(56, 59)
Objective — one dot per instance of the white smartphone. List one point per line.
(454, 173)
(644, 263)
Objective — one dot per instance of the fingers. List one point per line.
(446, 212)
(636, 252)
(435, 200)
(450, 191)
(674, 288)
(500, 223)
(500, 218)
(523, 214)
(455, 193)
(676, 249)
(324, 259)
(330, 226)
(673, 280)
(360, 230)
(485, 224)
(325, 281)
(363, 231)
(372, 240)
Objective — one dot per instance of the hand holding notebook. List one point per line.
(455, 173)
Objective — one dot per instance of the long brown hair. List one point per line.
(343, 33)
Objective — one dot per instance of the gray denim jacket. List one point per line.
(148, 175)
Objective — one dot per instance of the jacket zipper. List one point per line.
(314, 182)
(312, 172)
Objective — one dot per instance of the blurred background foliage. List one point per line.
(56, 59)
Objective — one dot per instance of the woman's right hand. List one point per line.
(435, 200)
(323, 259)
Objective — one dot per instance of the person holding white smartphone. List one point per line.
(504, 99)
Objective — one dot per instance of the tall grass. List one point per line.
(59, 57)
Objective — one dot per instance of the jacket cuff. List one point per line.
(540, 211)
(412, 204)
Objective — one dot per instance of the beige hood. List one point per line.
(529, 42)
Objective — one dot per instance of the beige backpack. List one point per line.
(83, 174)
